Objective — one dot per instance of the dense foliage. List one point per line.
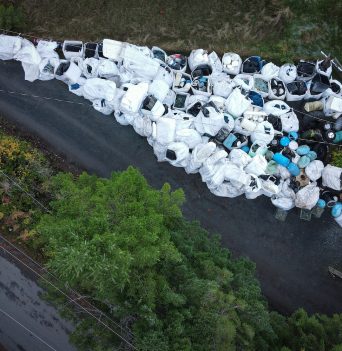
(126, 244)
(11, 18)
(22, 169)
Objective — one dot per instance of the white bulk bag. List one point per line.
(188, 136)
(236, 175)
(46, 49)
(197, 57)
(314, 170)
(112, 49)
(332, 177)
(133, 98)
(90, 67)
(239, 158)
(218, 177)
(282, 202)
(307, 197)
(183, 120)
(270, 188)
(271, 94)
(237, 103)
(107, 69)
(159, 89)
(30, 60)
(215, 63)
(160, 151)
(211, 124)
(327, 73)
(276, 107)
(120, 118)
(181, 151)
(288, 73)
(257, 166)
(263, 133)
(72, 48)
(102, 106)
(289, 122)
(295, 97)
(219, 102)
(9, 46)
(181, 82)
(269, 71)
(254, 188)
(245, 81)
(222, 85)
(210, 164)
(47, 68)
(142, 126)
(72, 73)
(166, 129)
(231, 63)
(96, 88)
(330, 92)
(333, 106)
(165, 73)
(226, 189)
(199, 154)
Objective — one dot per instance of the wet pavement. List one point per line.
(27, 322)
(292, 258)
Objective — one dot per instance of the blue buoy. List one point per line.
(336, 211)
(293, 169)
(284, 141)
(303, 150)
(281, 159)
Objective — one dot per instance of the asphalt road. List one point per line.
(27, 322)
(291, 258)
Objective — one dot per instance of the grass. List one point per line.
(174, 25)
(279, 29)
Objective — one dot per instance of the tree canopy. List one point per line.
(128, 246)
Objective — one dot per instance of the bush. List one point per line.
(22, 169)
(11, 18)
(337, 157)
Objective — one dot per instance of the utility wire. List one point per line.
(69, 288)
(27, 329)
(70, 298)
(27, 193)
(209, 124)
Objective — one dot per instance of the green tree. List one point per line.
(128, 247)
(11, 18)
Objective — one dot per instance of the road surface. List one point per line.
(27, 322)
(292, 258)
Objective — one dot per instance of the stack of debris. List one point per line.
(247, 126)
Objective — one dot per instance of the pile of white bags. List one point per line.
(200, 113)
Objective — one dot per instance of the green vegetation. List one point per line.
(337, 157)
(120, 241)
(280, 30)
(31, 172)
(128, 248)
(11, 18)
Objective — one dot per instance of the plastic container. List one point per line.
(284, 141)
(293, 169)
(281, 159)
(336, 211)
(303, 150)
(338, 137)
(303, 161)
(72, 48)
